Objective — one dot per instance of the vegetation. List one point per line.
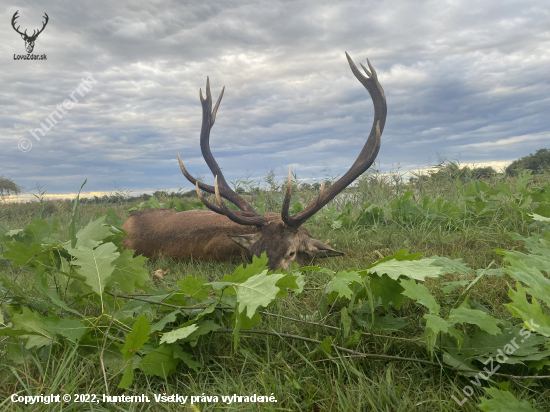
(442, 276)
(8, 188)
(537, 163)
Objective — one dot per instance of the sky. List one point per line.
(466, 80)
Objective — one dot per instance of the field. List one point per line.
(440, 274)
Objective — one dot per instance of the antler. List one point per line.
(34, 33)
(15, 16)
(363, 161)
(247, 215)
(43, 25)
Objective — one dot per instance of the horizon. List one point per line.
(29, 197)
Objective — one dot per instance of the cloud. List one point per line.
(465, 79)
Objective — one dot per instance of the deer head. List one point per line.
(282, 240)
(29, 40)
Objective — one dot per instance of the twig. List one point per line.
(337, 328)
(103, 347)
(352, 352)
(373, 355)
(263, 313)
(164, 304)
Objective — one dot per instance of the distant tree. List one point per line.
(483, 172)
(8, 188)
(537, 162)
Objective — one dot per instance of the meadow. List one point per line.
(441, 274)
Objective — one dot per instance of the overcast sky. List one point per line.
(469, 80)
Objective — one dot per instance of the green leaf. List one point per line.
(137, 337)
(531, 276)
(159, 362)
(503, 401)
(93, 233)
(437, 324)
(515, 345)
(519, 260)
(71, 329)
(96, 265)
(176, 334)
(448, 287)
(20, 253)
(545, 210)
(41, 284)
(187, 358)
(33, 323)
(451, 265)
(532, 314)
(259, 290)
(340, 282)
(171, 317)
(475, 317)
(539, 364)
(7, 283)
(15, 354)
(400, 256)
(204, 328)
(127, 378)
(421, 294)
(327, 345)
(37, 230)
(194, 287)
(129, 272)
(340, 286)
(289, 282)
(415, 269)
(242, 274)
(387, 289)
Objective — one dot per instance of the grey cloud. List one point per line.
(466, 79)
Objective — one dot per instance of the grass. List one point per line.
(300, 375)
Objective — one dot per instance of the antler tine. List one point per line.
(209, 205)
(366, 157)
(208, 118)
(13, 21)
(286, 200)
(202, 186)
(256, 220)
(43, 24)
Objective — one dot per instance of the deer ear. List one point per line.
(245, 241)
(319, 249)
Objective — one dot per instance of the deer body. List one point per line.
(206, 235)
(222, 233)
(200, 234)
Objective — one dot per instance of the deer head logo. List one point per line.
(29, 40)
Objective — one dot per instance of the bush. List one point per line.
(8, 188)
(537, 163)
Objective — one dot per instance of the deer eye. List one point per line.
(291, 254)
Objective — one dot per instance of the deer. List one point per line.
(29, 40)
(224, 234)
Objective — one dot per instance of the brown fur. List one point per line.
(203, 235)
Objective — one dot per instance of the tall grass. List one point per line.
(300, 375)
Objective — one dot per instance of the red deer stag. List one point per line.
(221, 233)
